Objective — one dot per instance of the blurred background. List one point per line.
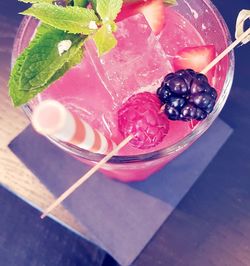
(211, 226)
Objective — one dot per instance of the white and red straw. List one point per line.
(52, 118)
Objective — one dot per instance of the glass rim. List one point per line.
(163, 152)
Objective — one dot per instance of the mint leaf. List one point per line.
(40, 64)
(81, 3)
(108, 9)
(67, 66)
(20, 97)
(71, 18)
(44, 59)
(104, 39)
(14, 79)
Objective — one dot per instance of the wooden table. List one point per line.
(211, 226)
(13, 174)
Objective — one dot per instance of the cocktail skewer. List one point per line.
(80, 181)
(243, 38)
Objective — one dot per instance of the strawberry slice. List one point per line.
(196, 58)
(154, 14)
(129, 9)
(153, 10)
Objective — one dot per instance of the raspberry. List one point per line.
(140, 116)
(187, 95)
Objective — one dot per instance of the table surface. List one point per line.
(211, 226)
(13, 174)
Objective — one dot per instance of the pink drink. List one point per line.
(97, 87)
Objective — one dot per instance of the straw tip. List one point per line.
(48, 117)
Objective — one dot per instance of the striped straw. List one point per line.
(52, 118)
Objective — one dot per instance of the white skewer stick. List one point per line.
(67, 193)
(86, 177)
(226, 51)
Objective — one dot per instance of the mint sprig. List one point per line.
(40, 64)
(104, 38)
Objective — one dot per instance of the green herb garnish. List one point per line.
(72, 19)
(40, 63)
(46, 59)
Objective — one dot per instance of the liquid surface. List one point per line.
(97, 87)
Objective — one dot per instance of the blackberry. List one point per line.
(202, 78)
(200, 114)
(172, 112)
(213, 93)
(164, 92)
(176, 102)
(178, 86)
(201, 100)
(197, 87)
(168, 78)
(186, 75)
(188, 112)
(187, 95)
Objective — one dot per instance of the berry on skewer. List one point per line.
(187, 95)
(196, 58)
(139, 116)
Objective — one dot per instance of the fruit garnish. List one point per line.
(187, 95)
(153, 10)
(154, 14)
(40, 64)
(129, 9)
(139, 116)
(45, 60)
(196, 58)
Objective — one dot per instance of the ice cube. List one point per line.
(82, 92)
(178, 33)
(137, 63)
